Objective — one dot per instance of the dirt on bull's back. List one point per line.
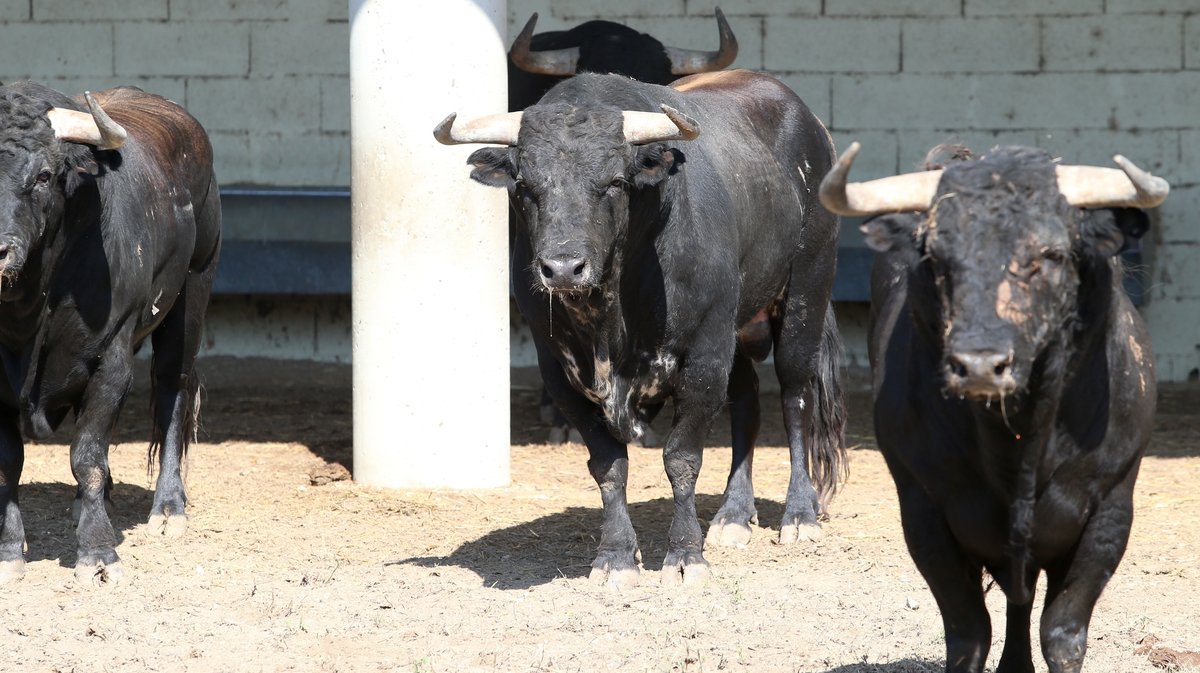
(289, 565)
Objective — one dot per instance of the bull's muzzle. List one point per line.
(564, 272)
(980, 374)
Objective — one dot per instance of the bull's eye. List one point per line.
(43, 177)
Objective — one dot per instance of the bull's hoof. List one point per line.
(173, 525)
(621, 579)
(728, 533)
(685, 569)
(799, 532)
(96, 574)
(11, 571)
(615, 569)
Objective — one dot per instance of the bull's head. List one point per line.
(43, 154)
(625, 51)
(1003, 240)
(570, 173)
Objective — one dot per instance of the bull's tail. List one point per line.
(825, 436)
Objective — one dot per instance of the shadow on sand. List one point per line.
(49, 530)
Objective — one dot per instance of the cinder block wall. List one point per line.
(1083, 78)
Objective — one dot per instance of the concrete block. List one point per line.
(700, 32)
(616, 9)
(813, 90)
(33, 51)
(1191, 42)
(172, 48)
(1156, 151)
(1112, 43)
(893, 7)
(970, 45)
(772, 8)
(1028, 7)
(832, 45)
(1180, 220)
(335, 103)
(300, 48)
(1029, 101)
(1152, 6)
(916, 145)
(14, 10)
(259, 104)
(877, 159)
(287, 328)
(315, 159)
(271, 10)
(109, 10)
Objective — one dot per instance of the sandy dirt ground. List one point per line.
(289, 566)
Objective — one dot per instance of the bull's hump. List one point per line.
(722, 79)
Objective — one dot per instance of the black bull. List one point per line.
(652, 266)
(1014, 386)
(110, 238)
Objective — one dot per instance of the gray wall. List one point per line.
(1083, 78)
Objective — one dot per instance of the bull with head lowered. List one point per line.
(109, 234)
(656, 261)
(1014, 386)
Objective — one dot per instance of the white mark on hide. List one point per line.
(153, 307)
(1136, 349)
(1012, 309)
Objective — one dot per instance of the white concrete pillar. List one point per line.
(430, 248)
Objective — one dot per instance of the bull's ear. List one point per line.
(884, 233)
(80, 167)
(653, 163)
(494, 166)
(1110, 231)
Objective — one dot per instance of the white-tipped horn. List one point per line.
(497, 129)
(561, 62)
(1097, 187)
(642, 128)
(909, 192)
(692, 61)
(96, 128)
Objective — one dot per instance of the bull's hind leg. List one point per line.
(102, 400)
(1074, 585)
(175, 399)
(731, 524)
(12, 530)
(807, 349)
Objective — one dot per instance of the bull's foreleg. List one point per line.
(12, 530)
(731, 524)
(616, 563)
(176, 389)
(102, 399)
(697, 401)
(1017, 656)
(955, 581)
(1074, 585)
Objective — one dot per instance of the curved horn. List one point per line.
(561, 62)
(1096, 187)
(96, 128)
(692, 61)
(899, 193)
(642, 128)
(496, 129)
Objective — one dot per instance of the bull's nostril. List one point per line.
(958, 368)
(547, 272)
(579, 269)
(1000, 369)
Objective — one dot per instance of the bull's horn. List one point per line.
(96, 128)
(898, 193)
(561, 62)
(642, 128)
(691, 61)
(496, 129)
(1096, 187)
